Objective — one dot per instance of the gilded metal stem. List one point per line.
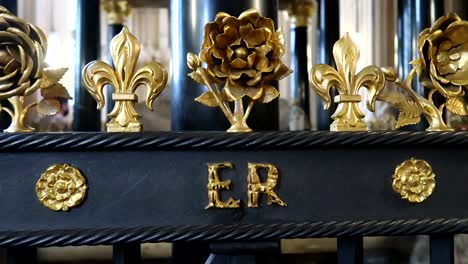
(240, 124)
(249, 109)
(414, 105)
(217, 95)
(18, 115)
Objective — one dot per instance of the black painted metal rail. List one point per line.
(247, 234)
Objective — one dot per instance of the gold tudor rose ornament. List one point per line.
(125, 79)
(348, 116)
(442, 68)
(61, 187)
(242, 56)
(414, 180)
(22, 72)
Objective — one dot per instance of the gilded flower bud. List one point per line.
(192, 61)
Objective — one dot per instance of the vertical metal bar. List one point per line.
(299, 79)
(244, 252)
(190, 252)
(18, 255)
(85, 115)
(350, 250)
(126, 254)
(442, 249)
(226, 259)
(329, 33)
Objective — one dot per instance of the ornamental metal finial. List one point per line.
(116, 10)
(125, 51)
(242, 54)
(22, 72)
(348, 116)
(301, 11)
(414, 180)
(442, 68)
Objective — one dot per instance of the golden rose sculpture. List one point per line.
(442, 68)
(414, 180)
(22, 51)
(242, 56)
(61, 187)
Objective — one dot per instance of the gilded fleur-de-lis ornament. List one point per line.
(348, 116)
(125, 79)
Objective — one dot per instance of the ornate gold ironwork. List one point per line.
(301, 11)
(125, 51)
(116, 10)
(442, 67)
(414, 180)
(243, 54)
(348, 116)
(22, 49)
(255, 186)
(61, 187)
(215, 186)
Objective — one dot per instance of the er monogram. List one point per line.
(255, 186)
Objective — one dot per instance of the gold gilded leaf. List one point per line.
(410, 113)
(196, 77)
(404, 120)
(48, 107)
(392, 98)
(269, 94)
(52, 76)
(55, 91)
(207, 99)
(456, 105)
(410, 108)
